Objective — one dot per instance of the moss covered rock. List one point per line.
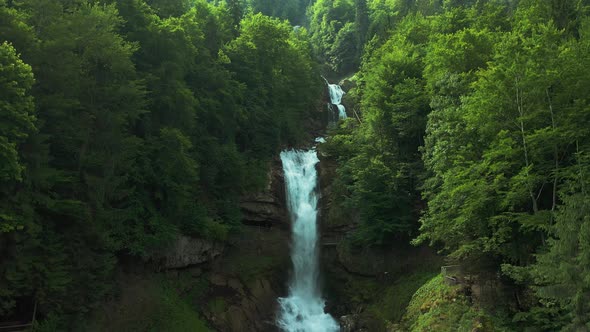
(438, 306)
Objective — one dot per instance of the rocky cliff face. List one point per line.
(187, 251)
(267, 207)
(234, 285)
(245, 282)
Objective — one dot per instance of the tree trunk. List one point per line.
(520, 107)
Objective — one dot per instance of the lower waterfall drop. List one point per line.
(303, 309)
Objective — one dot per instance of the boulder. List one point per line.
(347, 323)
(350, 323)
(347, 84)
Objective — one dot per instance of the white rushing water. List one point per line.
(336, 94)
(303, 309)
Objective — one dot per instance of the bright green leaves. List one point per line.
(499, 148)
(17, 123)
(561, 273)
(394, 101)
(456, 53)
(263, 41)
(274, 63)
(468, 146)
(335, 34)
(380, 163)
(17, 120)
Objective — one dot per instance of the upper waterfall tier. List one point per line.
(336, 94)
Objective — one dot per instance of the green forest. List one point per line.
(126, 123)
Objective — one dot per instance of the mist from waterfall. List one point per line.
(303, 309)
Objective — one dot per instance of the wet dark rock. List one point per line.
(348, 323)
(267, 207)
(187, 251)
(347, 84)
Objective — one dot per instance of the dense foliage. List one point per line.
(475, 116)
(292, 10)
(123, 124)
(338, 30)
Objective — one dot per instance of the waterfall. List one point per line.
(303, 309)
(336, 94)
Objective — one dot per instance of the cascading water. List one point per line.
(303, 309)
(336, 94)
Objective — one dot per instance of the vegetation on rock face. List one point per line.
(151, 303)
(441, 307)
